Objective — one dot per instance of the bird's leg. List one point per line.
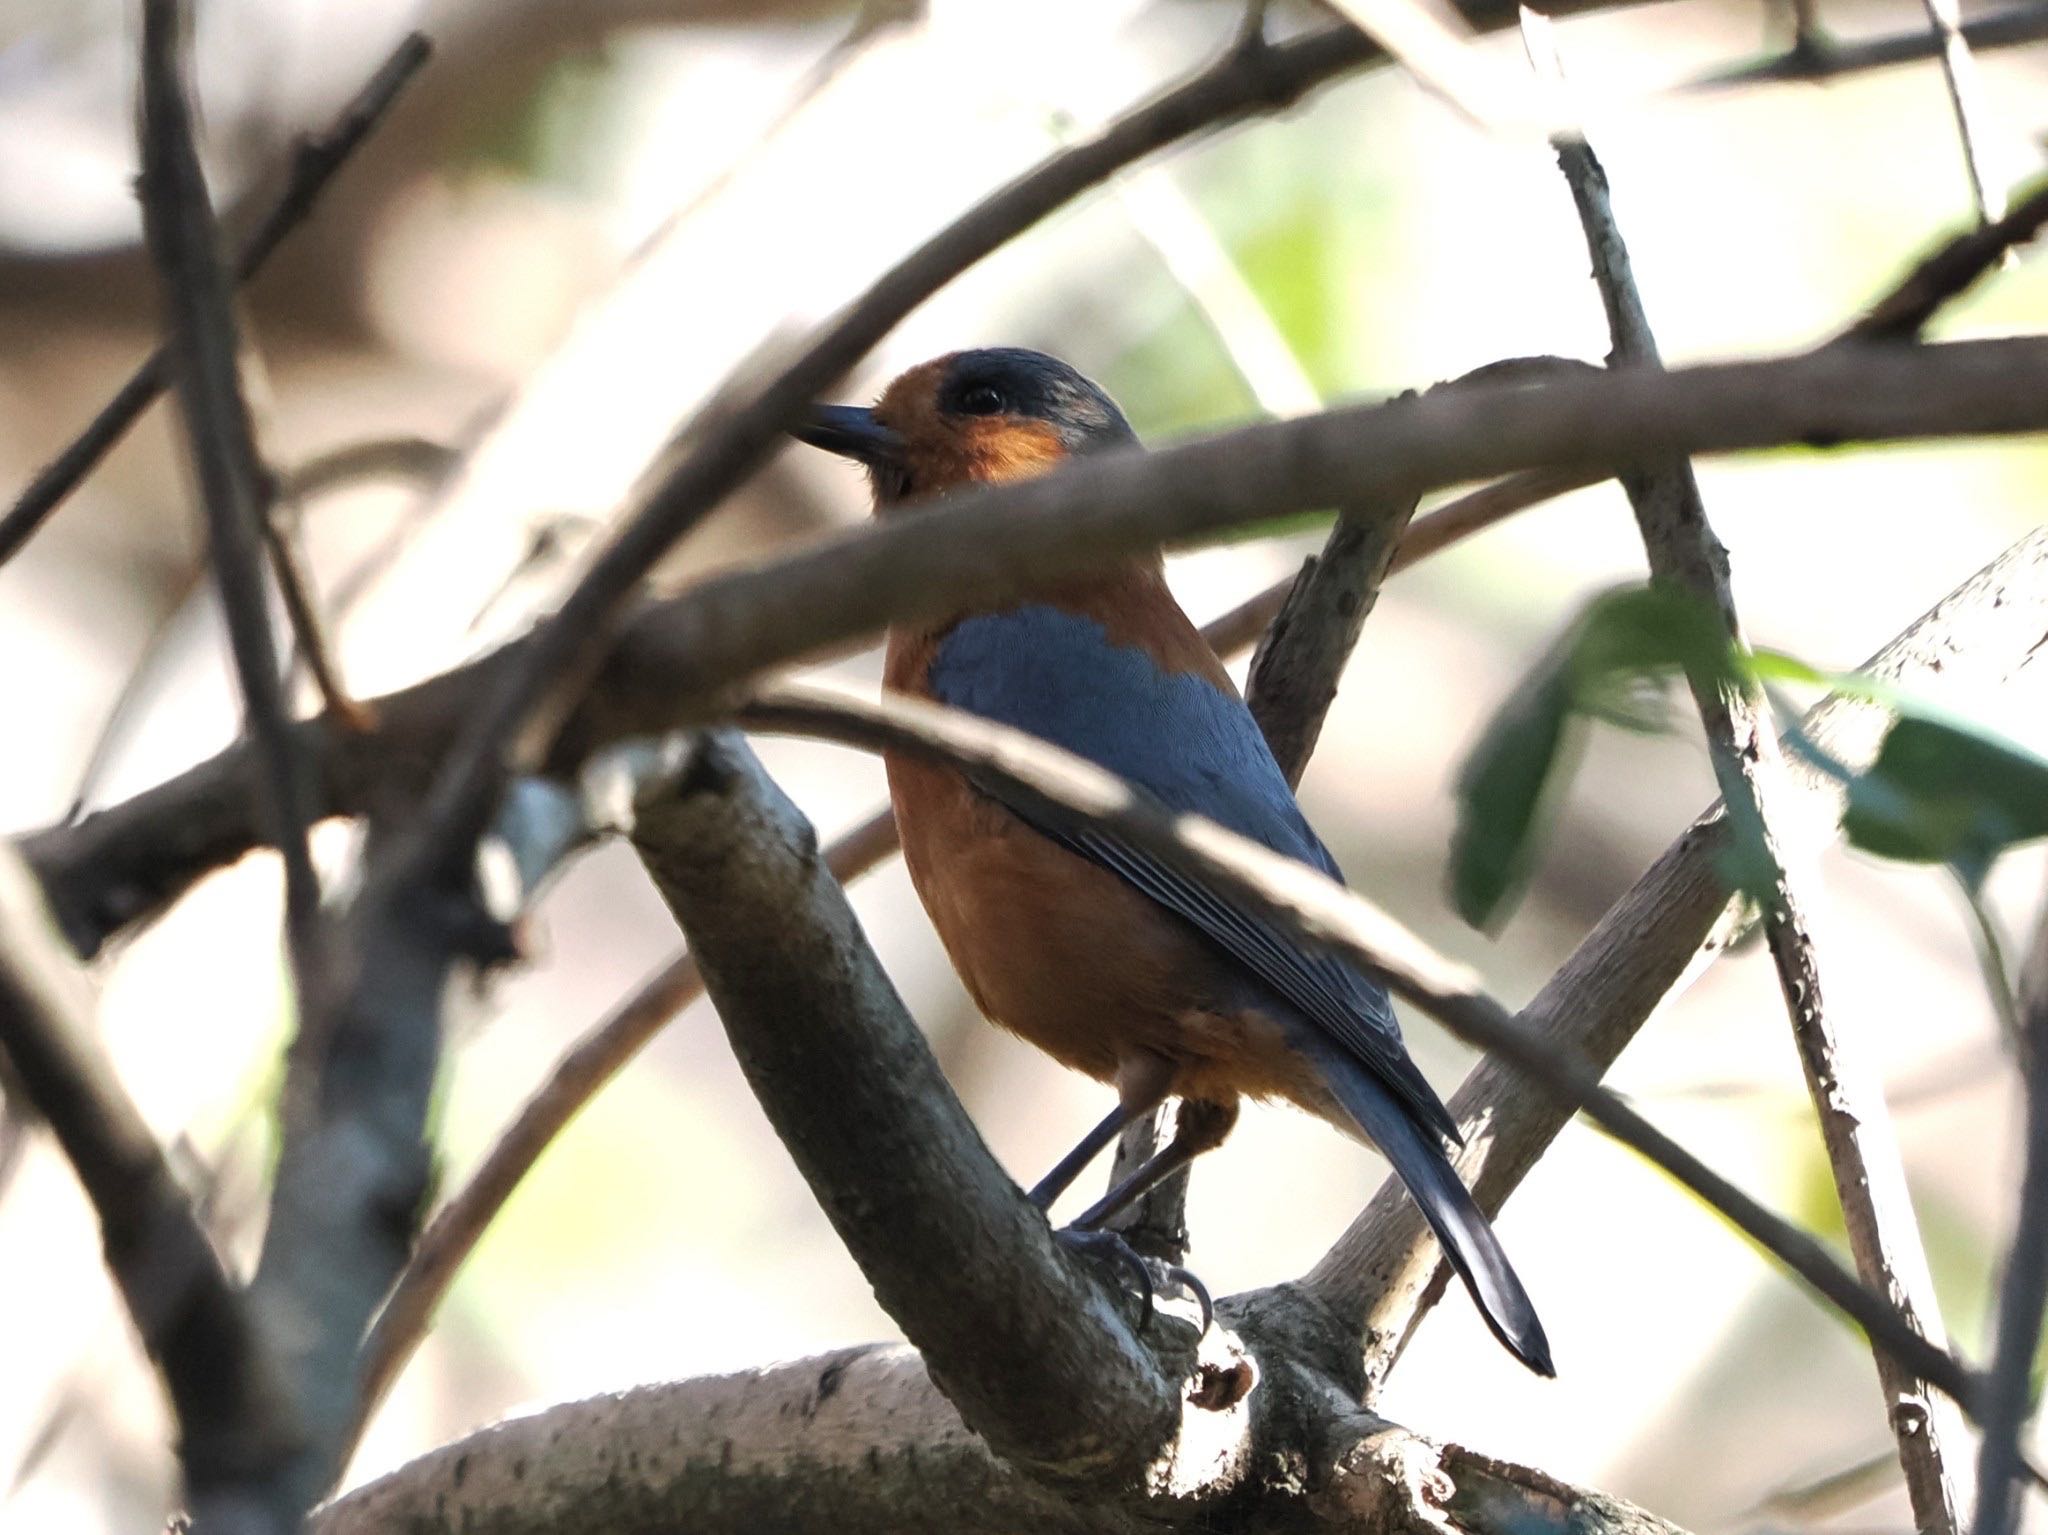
(1069, 1167)
(1201, 1126)
(1142, 1085)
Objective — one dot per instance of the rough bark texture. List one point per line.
(860, 1442)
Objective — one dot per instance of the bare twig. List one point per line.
(2023, 1286)
(1966, 98)
(1949, 271)
(1821, 58)
(1322, 911)
(196, 1327)
(1297, 666)
(313, 166)
(674, 658)
(1685, 556)
(178, 218)
(309, 632)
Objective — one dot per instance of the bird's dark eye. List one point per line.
(983, 400)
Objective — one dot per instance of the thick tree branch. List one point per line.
(673, 658)
(313, 166)
(234, 487)
(226, 1396)
(1385, 1271)
(861, 1442)
(986, 546)
(1030, 1348)
(353, 1164)
(1685, 556)
(1317, 908)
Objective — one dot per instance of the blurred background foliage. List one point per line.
(585, 215)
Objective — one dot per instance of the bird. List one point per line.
(1070, 935)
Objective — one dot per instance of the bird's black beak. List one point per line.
(852, 432)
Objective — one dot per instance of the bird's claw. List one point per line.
(1111, 1245)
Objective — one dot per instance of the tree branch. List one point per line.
(1848, 1095)
(313, 166)
(861, 1442)
(1030, 1348)
(234, 487)
(675, 657)
(1384, 1272)
(1297, 666)
(1966, 100)
(230, 1408)
(1950, 270)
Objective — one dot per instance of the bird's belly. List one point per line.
(1069, 956)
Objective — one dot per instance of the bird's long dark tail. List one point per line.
(1469, 1242)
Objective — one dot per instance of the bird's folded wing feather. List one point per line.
(1196, 749)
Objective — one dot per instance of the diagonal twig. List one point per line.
(231, 1411)
(1318, 909)
(400, 457)
(234, 487)
(1966, 99)
(313, 166)
(1685, 556)
(1948, 271)
(309, 630)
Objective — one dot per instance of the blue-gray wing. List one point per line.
(1195, 749)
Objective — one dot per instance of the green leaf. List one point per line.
(1944, 790)
(1613, 664)
(1503, 791)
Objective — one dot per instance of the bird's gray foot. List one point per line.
(1110, 1245)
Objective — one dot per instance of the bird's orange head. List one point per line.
(970, 418)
